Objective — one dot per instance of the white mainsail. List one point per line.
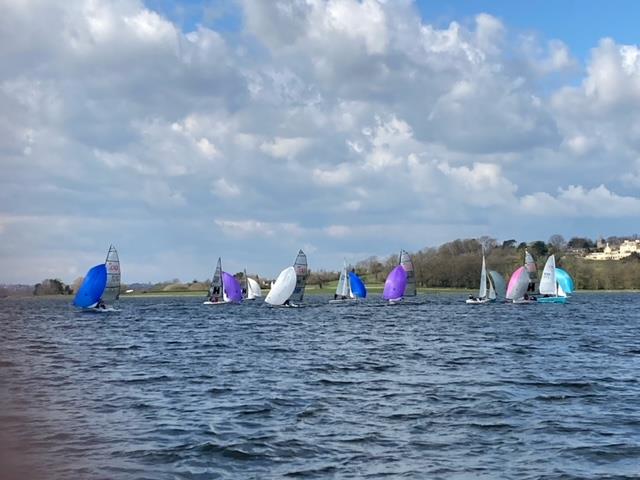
(342, 289)
(482, 293)
(112, 290)
(548, 284)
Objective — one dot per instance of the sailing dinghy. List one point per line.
(101, 284)
(518, 285)
(224, 288)
(395, 285)
(343, 289)
(288, 289)
(550, 290)
(483, 295)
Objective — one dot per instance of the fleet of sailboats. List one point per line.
(101, 285)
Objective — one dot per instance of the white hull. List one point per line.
(208, 302)
(344, 300)
(478, 301)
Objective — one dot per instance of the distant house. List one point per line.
(627, 248)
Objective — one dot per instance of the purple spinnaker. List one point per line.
(232, 288)
(395, 284)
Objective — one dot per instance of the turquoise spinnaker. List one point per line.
(92, 287)
(357, 286)
(565, 280)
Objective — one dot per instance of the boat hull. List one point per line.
(344, 300)
(552, 299)
(478, 301)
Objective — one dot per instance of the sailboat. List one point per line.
(251, 288)
(483, 296)
(550, 289)
(224, 288)
(406, 262)
(288, 289)
(518, 285)
(101, 284)
(343, 289)
(395, 285)
(532, 269)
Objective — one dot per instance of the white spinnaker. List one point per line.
(283, 287)
(253, 288)
(482, 293)
(112, 290)
(548, 281)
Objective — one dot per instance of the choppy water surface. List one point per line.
(170, 388)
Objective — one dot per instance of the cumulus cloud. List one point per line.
(577, 201)
(318, 122)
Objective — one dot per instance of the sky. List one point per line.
(247, 129)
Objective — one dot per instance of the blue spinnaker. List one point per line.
(92, 287)
(357, 286)
(565, 280)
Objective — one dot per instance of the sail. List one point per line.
(245, 284)
(492, 292)
(342, 289)
(300, 266)
(232, 288)
(215, 289)
(482, 293)
(498, 283)
(254, 290)
(530, 265)
(283, 287)
(357, 286)
(518, 284)
(407, 264)
(112, 289)
(395, 284)
(548, 281)
(565, 280)
(92, 287)
(561, 292)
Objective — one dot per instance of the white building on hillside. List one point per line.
(627, 248)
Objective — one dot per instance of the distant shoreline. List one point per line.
(308, 291)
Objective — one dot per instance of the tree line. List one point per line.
(457, 264)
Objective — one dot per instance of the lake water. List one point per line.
(168, 388)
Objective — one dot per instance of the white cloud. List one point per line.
(287, 148)
(383, 120)
(577, 201)
(224, 188)
(253, 228)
